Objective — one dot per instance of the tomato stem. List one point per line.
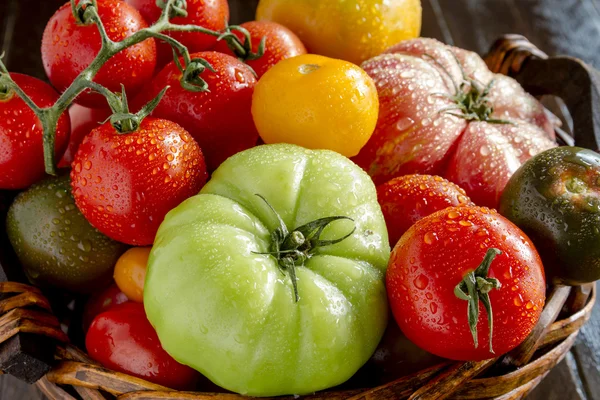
(470, 97)
(475, 287)
(86, 13)
(294, 249)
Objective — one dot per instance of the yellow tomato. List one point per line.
(130, 272)
(316, 102)
(352, 30)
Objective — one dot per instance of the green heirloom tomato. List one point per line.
(223, 306)
(54, 242)
(555, 199)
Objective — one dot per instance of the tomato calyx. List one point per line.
(293, 249)
(124, 121)
(82, 12)
(470, 97)
(475, 287)
(191, 79)
(243, 51)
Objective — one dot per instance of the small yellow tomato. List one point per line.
(130, 272)
(316, 102)
(352, 30)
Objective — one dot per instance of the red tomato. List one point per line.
(68, 48)
(122, 339)
(21, 144)
(83, 120)
(407, 199)
(421, 84)
(443, 250)
(125, 184)
(281, 43)
(220, 120)
(101, 302)
(210, 14)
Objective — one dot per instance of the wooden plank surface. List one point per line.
(556, 26)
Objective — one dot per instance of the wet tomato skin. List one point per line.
(56, 245)
(83, 120)
(21, 145)
(281, 43)
(122, 339)
(219, 120)
(125, 184)
(100, 302)
(434, 255)
(555, 199)
(68, 48)
(210, 14)
(409, 198)
(130, 272)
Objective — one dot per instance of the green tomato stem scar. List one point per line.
(293, 249)
(308, 68)
(476, 286)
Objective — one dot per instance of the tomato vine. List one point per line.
(86, 12)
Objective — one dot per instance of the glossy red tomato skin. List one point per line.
(123, 340)
(125, 184)
(100, 302)
(410, 198)
(281, 43)
(21, 144)
(433, 256)
(220, 120)
(83, 120)
(68, 48)
(210, 14)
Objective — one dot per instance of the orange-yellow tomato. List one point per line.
(352, 30)
(316, 102)
(130, 272)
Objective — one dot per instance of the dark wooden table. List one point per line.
(556, 26)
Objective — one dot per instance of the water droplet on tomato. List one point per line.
(421, 282)
(404, 123)
(430, 237)
(433, 307)
(518, 300)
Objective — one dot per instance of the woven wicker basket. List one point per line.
(25, 310)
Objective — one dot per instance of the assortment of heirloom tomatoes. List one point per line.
(266, 268)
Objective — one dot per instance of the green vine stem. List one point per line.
(86, 12)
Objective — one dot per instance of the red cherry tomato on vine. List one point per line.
(122, 339)
(430, 267)
(407, 199)
(21, 145)
(281, 43)
(125, 184)
(68, 48)
(83, 120)
(101, 302)
(210, 14)
(220, 120)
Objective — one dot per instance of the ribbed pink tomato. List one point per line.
(434, 99)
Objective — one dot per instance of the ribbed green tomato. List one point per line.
(231, 313)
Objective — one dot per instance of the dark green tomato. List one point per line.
(555, 199)
(55, 244)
